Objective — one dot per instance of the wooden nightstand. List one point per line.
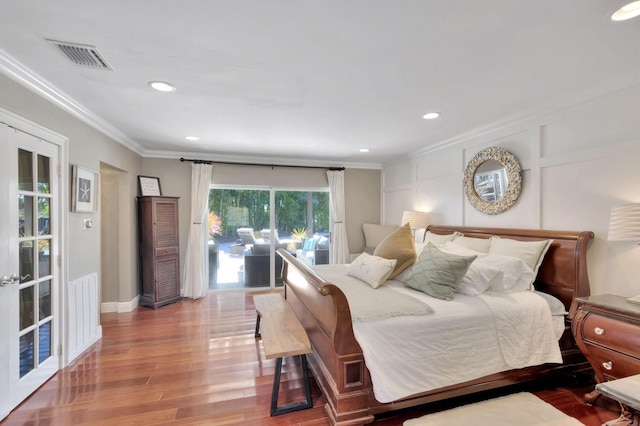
(607, 330)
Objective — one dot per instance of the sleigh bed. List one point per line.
(338, 362)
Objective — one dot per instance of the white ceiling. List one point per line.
(314, 81)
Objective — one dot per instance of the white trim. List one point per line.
(15, 70)
(120, 307)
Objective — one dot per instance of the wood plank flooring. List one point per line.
(198, 363)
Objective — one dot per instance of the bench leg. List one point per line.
(294, 406)
(257, 334)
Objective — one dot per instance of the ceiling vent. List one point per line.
(82, 55)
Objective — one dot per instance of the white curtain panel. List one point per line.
(195, 280)
(339, 245)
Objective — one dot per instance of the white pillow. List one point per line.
(452, 247)
(479, 277)
(373, 270)
(478, 244)
(532, 252)
(437, 239)
(516, 274)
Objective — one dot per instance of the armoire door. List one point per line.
(29, 272)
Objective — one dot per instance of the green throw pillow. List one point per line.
(437, 273)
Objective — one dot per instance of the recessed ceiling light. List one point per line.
(192, 138)
(365, 150)
(162, 86)
(431, 115)
(627, 11)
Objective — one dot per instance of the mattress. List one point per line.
(460, 340)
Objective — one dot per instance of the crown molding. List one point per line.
(18, 72)
(537, 115)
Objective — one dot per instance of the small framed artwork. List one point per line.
(84, 190)
(149, 186)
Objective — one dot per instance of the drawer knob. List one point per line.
(599, 331)
(607, 365)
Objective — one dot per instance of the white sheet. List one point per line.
(460, 341)
(367, 305)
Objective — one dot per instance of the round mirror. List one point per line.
(492, 180)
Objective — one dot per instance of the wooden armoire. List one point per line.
(159, 251)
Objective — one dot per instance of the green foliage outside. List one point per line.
(238, 208)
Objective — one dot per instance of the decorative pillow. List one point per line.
(478, 244)
(437, 273)
(309, 244)
(373, 270)
(531, 252)
(398, 245)
(437, 239)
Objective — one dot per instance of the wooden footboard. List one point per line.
(337, 360)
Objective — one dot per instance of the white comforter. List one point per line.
(463, 339)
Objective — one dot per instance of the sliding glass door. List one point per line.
(247, 226)
(304, 217)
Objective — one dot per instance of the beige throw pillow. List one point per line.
(398, 245)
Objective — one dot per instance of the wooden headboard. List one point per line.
(563, 272)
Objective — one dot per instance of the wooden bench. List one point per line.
(282, 335)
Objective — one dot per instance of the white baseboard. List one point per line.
(120, 306)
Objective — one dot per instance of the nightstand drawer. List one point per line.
(613, 364)
(622, 336)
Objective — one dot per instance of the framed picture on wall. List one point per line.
(84, 190)
(149, 185)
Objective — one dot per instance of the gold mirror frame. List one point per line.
(512, 167)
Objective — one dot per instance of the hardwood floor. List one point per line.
(197, 363)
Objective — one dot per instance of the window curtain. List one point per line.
(195, 280)
(339, 245)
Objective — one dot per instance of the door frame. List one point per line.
(28, 126)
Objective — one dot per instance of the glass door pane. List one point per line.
(302, 221)
(238, 240)
(34, 254)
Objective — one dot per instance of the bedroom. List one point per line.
(579, 159)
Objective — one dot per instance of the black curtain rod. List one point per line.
(260, 164)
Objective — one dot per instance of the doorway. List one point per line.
(31, 241)
(117, 259)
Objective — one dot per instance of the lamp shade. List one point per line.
(416, 220)
(624, 224)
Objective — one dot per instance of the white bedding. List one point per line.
(463, 339)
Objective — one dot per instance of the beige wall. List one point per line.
(88, 148)
(120, 167)
(362, 203)
(362, 190)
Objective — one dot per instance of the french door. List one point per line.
(29, 271)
